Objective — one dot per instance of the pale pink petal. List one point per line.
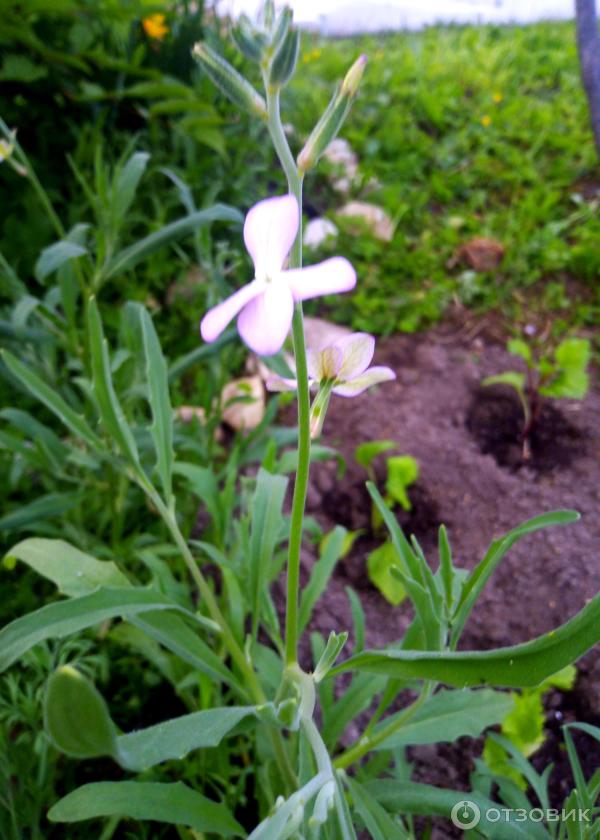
(277, 383)
(217, 318)
(313, 363)
(325, 278)
(269, 232)
(356, 386)
(266, 321)
(357, 351)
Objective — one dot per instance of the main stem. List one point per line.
(294, 179)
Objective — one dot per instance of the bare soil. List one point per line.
(472, 479)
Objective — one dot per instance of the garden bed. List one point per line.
(471, 479)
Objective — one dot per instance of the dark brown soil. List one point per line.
(467, 441)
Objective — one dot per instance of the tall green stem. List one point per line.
(294, 179)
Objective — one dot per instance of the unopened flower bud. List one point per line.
(354, 75)
(285, 59)
(323, 803)
(249, 42)
(229, 81)
(332, 120)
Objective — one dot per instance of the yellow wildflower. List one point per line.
(486, 120)
(155, 26)
(497, 97)
(6, 149)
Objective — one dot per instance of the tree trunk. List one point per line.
(588, 45)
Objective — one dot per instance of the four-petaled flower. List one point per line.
(265, 306)
(342, 366)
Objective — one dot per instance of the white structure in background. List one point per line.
(348, 17)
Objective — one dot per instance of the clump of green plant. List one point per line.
(401, 473)
(523, 727)
(558, 375)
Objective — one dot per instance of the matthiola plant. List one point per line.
(270, 728)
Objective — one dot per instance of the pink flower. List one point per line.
(343, 365)
(266, 305)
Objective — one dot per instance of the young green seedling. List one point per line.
(563, 374)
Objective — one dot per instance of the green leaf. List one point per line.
(126, 183)
(76, 716)
(514, 667)
(334, 546)
(50, 398)
(19, 68)
(72, 571)
(449, 715)
(365, 453)
(510, 377)
(53, 257)
(378, 822)
(175, 804)
(177, 636)
(160, 402)
(379, 564)
(403, 470)
(55, 621)
(518, 347)
(414, 798)
(266, 519)
(477, 580)
(572, 359)
(524, 726)
(49, 506)
(175, 738)
(108, 402)
(125, 260)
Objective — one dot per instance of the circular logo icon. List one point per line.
(465, 814)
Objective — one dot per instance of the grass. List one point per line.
(462, 133)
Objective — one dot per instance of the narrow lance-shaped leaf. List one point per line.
(514, 667)
(131, 256)
(52, 400)
(108, 402)
(175, 804)
(55, 621)
(483, 571)
(160, 403)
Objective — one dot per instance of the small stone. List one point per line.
(340, 154)
(243, 403)
(318, 231)
(375, 218)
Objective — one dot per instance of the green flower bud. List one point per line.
(285, 59)
(282, 26)
(332, 120)
(248, 41)
(229, 81)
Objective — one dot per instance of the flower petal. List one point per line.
(217, 318)
(370, 377)
(325, 278)
(267, 319)
(269, 232)
(357, 352)
(277, 383)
